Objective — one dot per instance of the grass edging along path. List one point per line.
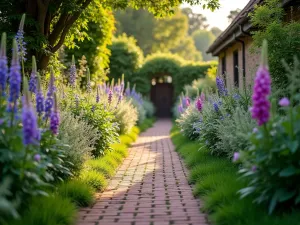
(216, 182)
(61, 207)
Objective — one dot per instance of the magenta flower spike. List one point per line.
(262, 89)
(198, 104)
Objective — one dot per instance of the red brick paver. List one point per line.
(150, 187)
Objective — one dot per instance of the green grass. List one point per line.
(217, 183)
(94, 179)
(78, 192)
(52, 210)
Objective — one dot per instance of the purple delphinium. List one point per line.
(93, 108)
(3, 65)
(284, 102)
(20, 40)
(54, 118)
(180, 109)
(199, 104)
(110, 95)
(14, 79)
(33, 77)
(49, 102)
(29, 119)
(186, 102)
(262, 89)
(72, 78)
(39, 98)
(127, 91)
(221, 86)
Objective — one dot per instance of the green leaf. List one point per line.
(287, 172)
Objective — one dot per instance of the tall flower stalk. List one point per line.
(21, 43)
(3, 65)
(14, 80)
(33, 76)
(262, 89)
(88, 84)
(39, 97)
(54, 118)
(29, 119)
(49, 99)
(72, 78)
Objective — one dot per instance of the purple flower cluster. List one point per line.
(3, 65)
(98, 95)
(14, 79)
(186, 101)
(33, 77)
(72, 78)
(180, 109)
(54, 118)
(199, 104)
(221, 86)
(216, 107)
(262, 89)
(110, 95)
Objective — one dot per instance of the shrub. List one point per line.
(126, 57)
(187, 120)
(48, 211)
(283, 37)
(78, 192)
(80, 138)
(101, 166)
(149, 108)
(93, 179)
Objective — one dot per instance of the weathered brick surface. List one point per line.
(150, 187)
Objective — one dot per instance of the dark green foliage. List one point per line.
(78, 192)
(126, 58)
(48, 211)
(283, 38)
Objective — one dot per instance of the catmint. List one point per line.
(3, 64)
(72, 78)
(20, 40)
(262, 89)
(54, 118)
(221, 86)
(216, 107)
(33, 76)
(29, 119)
(198, 104)
(14, 79)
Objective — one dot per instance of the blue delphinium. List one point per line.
(39, 98)
(216, 107)
(221, 86)
(3, 65)
(14, 79)
(72, 78)
(29, 119)
(49, 99)
(33, 77)
(54, 118)
(20, 40)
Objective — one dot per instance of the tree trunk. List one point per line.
(43, 62)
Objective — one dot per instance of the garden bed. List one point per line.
(216, 181)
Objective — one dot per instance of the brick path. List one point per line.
(150, 187)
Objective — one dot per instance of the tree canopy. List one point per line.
(196, 20)
(203, 39)
(50, 22)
